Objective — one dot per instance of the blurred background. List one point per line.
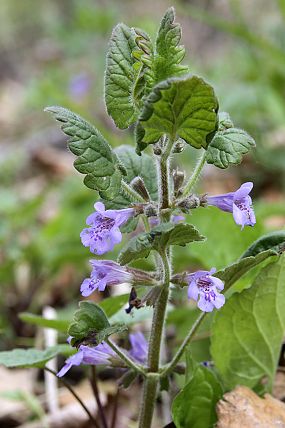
(52, 52)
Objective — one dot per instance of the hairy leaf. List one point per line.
(273, 240)
(247, 332)
(195, 404)
(179, 107)
(120, 77)
(160, 237)
(168, 55)
(89, 320)
(228, 146)
(95, 157)
(31, 357)
(234, 272)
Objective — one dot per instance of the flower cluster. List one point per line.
(103, 354)
(104, 233)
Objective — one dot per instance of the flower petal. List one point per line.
(243, 191)
(193, 291)
(100, 207)
(217, 282)
(205, 305)
(219, 301)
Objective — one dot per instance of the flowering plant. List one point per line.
(147, 87)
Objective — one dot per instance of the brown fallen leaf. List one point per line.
(242, 407)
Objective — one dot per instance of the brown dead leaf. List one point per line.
(242, 407)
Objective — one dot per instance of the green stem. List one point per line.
(134, 196)
(195, 175)
(173, 363)
(151, 381)
(164, 174)
(130, 363)
(71, 390)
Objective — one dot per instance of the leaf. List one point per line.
(31, 357)
(232, 273)
(57, 324)
(137, 248)
(179, 107)
(89, 320)
(120, 77)
(142, 166)
(95, 157)
(168, 55)
(113, 304)
(108, 331)
(195, 404)
(273, 240)
(247, 332)
(228, 146)
(160, 237)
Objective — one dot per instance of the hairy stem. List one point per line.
(95, 390)
(148, 400)
(163, 168)
(130, 363)
(71, 390)
(195, 175)
(173, 363)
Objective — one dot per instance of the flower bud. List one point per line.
(138, 185)
(178, 179)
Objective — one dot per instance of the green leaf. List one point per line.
(248, 331)
(232, 273)
(273, 240)
(142, 166)
(228, 146)
(160, 237)
(89, 320)
(195, 404)
(31, 357)
(137, 248)
(95, 157)
(168, 55)
(179, 107)
(120, 77)
(113, 304)
(106, 332)
(57, 324)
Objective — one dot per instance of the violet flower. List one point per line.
(139, 347)
(238, 202)
(204, 286)
(104, 272)
(103, 354)
(104, 231)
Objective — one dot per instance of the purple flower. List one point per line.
(104, 272)
(104, 354)
(204, 286)
(87, 355)
(238, 202)
(104, 231)
(139, 347)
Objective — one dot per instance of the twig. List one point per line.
(94, 386)
(115, 409)
(66, 384)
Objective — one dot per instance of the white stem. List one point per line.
(50, 339)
